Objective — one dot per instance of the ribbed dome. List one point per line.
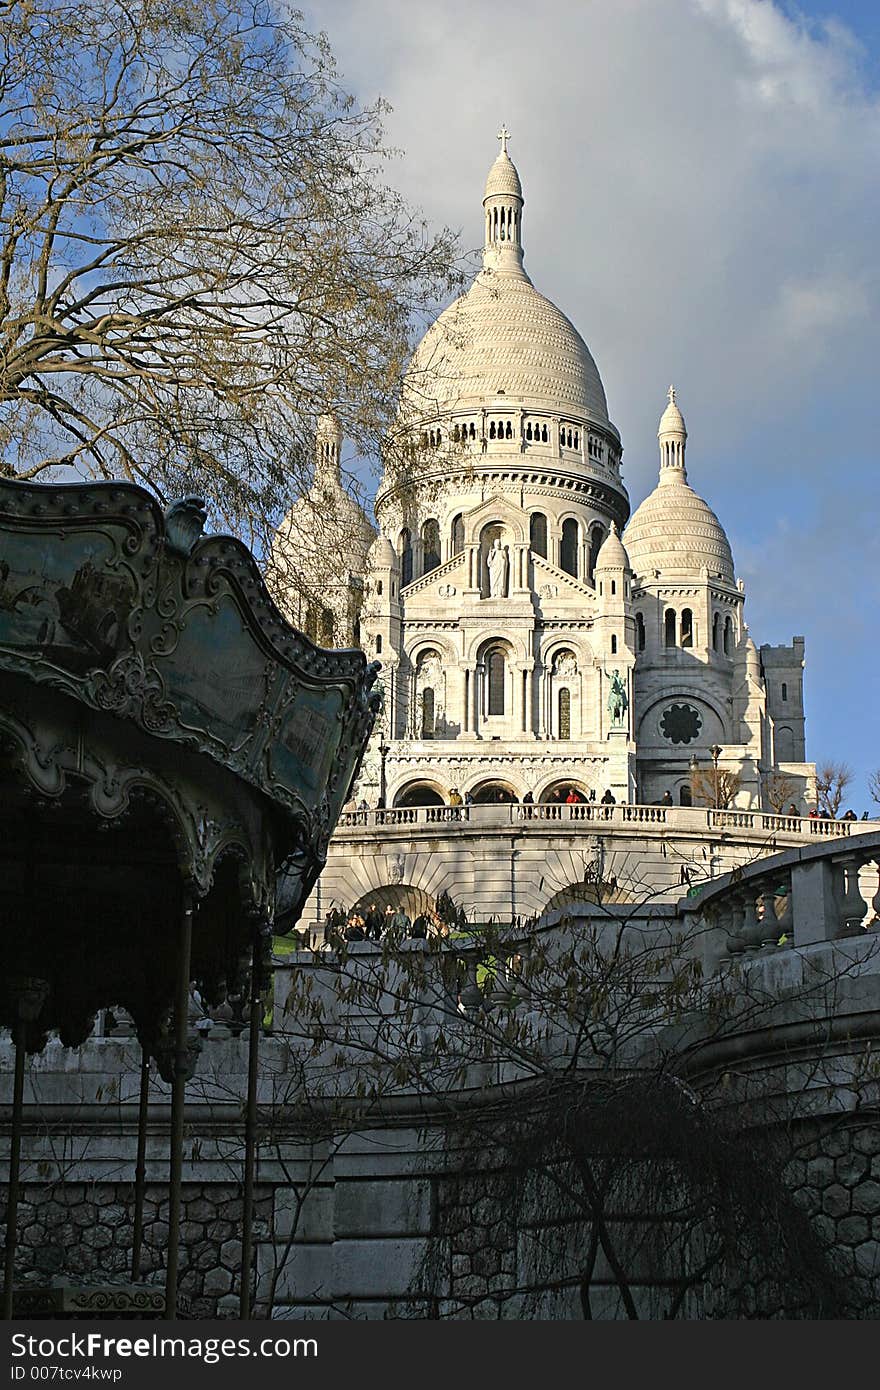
(503, 179)
(502, 336)
(675, 530)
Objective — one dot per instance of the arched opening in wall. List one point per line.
(420, 793)
(496, 675)
(406, 556)
(493, 792)
(640, 632)
(597, 537)
(379, 588)
(458, 535)
(784, 691)
(669, 627)
(685, 796)
(563, 792)
(325, 628)
(613, 645)
(430, 546)
(564, 713)
(538, 533)
(568, 548)
(687, 628)
(378, 643)
(427, 701)
(716, 632)
(728, 636)
(784, 745)
(591, 890)
(405, 896)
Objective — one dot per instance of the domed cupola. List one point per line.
(503, 204)
(674, 531)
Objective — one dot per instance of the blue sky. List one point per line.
(702, 184)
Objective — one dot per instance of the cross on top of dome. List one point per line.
(504, 136)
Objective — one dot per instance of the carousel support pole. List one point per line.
(140, 1171)
(29, 995)
(250, 1125)
(14, 1168)
(182, 1068)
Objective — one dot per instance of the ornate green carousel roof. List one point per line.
(148, 680)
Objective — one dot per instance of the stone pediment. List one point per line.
(440, 584)
(552, 584)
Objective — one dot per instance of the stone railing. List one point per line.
(685, 818)
(818, 893)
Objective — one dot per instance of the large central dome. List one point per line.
(503, 341)
(504, 338)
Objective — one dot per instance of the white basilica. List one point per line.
(532, 638)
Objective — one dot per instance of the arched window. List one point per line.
(492, 429)
(325, 628)
(784, 691)
(495, 679)
(379, 588)
(430, 546)
(378, 643)
(568, 550)
(529, 430)
(538, 533)
(458, 535)
(613, 645)
(684, 797)
(564, 713)
(406, 557)
(687, 628)
(728, 636)
(597, 536)
(427, 712)
(544, 435)
(716, 632)
(508, 432)
(669, 627)
(640, 631)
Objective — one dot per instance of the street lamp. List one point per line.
(384, 750)
(716, 752)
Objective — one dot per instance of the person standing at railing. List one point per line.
(608, 798)
(666, 798)
(455, 803)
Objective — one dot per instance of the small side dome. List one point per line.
(612, 555)
(381, 554)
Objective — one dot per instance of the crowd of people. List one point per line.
(373, 923)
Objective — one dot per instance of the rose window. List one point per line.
(680, 723)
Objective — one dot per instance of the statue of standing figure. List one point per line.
(618, 700)
(496, 563)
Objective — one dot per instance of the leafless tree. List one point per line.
(874, 786)
(832, 780)
(588, 1030)
(715, 787)
(198, 250)
(780, 790)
